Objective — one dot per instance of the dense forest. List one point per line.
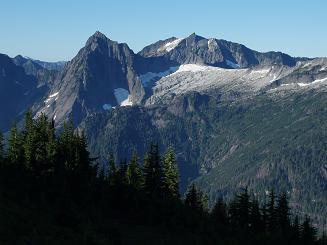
(53, 192)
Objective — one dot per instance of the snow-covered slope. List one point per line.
(164, 86)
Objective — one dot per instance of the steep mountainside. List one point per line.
(100, 77)
(214, 52)
(18, 91)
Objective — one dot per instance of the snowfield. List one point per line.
(122, 97)
(201, 78)
(171, 45)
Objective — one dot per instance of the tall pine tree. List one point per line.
(271, 212)
(112, 171)
(153, 177)
(134, 173)
(283, 215)
(2, 153)
(15, 151)
(170, 175)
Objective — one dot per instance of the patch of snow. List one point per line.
(232, 64)
(305, 84)
(123, 97)
(263, 71)
(54, 118)
(107, 107)
(148, 77)
(53, 95)
(171, 45)
(127, 102)
(313, 82)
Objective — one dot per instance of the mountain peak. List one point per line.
(99, 34)
(96, 37)
(195, 36)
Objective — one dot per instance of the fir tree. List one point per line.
(29, 135)
(82, 159)
(112, 171)
(134, 173)
(41, 164)
(153, 172)
(122, 172)
(170, 175)
(67, 155)
(15, 152)
(219, 216)
(271, 212)
(283, 213)
(255, 217)
(308, 232)
(2, 153)
(295, 231)
(240, 210)
(195, 199)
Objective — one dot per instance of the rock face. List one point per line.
(101, 76)
(18, 91)
(214, 52)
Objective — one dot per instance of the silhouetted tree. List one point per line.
(295, 231)
(134, 173)
(195, 199)
(170, 175)
(219, 217)
(283, 215)
(2, 153)
(15, 150)
(308, 232)
(112, 171)
(271, 212)
(152, 170)
(240, 210)
(256, 221)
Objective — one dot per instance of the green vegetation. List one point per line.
(52, 192)
(261, 143)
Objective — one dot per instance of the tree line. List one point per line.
(45, 169)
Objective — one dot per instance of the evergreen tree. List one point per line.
(295, 231)
(41, 164)
(67, 157)
(195, 199)
(134, 173)
(308, 232)
(2, 153)
(219, 216)
(283, 214)
(323, 239)
(153, 177)
(52, 144)
(112, 171)
(29, 135)
(122, 172)
(271, 212)
(256, 222)
(15, 151)
(240, 210)
(83, 161)
(170, 175)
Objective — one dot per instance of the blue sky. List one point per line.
(56, 30)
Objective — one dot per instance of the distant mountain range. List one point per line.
(235, 116)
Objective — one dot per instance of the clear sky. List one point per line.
(56, 29)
